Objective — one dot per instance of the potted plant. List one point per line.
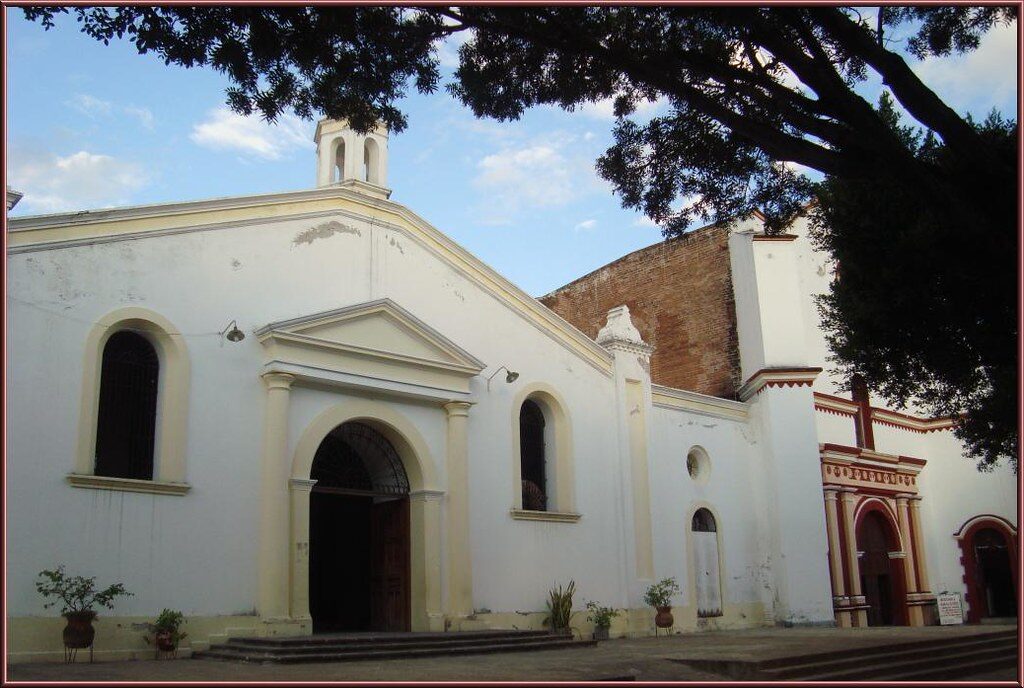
(166, 631)
(601, 617)
(560, 609)
(78, 596)
(659, 595)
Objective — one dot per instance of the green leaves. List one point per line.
(560, 606)
(76, 593)
(660, 594)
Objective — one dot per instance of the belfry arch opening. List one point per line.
(359, 557)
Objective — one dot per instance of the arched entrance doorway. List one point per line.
(995, 580)
(359, 561)
(880, 575)
(989, 554)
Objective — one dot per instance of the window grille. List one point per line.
(356, 457)
(126, 423)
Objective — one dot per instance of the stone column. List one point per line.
(922, 559)
(425, 554)
(852, 565)
(835, 559)
(274, 529)
(460, 563)
(299, 583)
(914, 616)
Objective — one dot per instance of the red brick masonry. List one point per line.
(680, 296)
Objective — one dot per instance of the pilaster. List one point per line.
(300, 489)
(857, 599)
(460, 561)
(274, 502)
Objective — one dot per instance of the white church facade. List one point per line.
(313, 411)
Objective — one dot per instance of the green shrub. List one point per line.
(601, 616)
(560, 606)
(76, 593)
(660, 593)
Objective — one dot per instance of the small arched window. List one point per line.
(703, 522)
(531, 456)
(706, 568)
(126, 418)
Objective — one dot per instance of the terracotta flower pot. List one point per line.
(79, 632)
(663, 619)
(165, 641)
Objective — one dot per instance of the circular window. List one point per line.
(698, 465)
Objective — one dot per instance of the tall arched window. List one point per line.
(126, 419)
(706, 570)
(531, 456)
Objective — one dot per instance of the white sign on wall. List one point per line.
(950, 609)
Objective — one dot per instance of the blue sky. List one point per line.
(94, 126)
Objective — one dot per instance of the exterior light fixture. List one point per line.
(510, 375)
(232, 333)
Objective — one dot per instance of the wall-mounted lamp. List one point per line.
(511, 375)
(232, 333)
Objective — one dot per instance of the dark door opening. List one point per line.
(995, 578)
(877, 573)
(358, 534)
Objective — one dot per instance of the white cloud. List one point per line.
(144, 115)
(94, 108)
(644, 221)
(90, 105)
(584, 226)
(78, 181)
(448, 49)
(535, 176)
(605, 109)
(978, 80)
(227, 130)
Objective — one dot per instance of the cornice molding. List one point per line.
(550, 516)
(777, 377)
(20, 231)
(102, 482)
(683, 400)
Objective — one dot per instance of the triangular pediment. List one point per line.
(379, 328)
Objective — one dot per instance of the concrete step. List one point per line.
(393, 651)
(896, 658)
(383, 638)
(798, 667)
(344, 647)
(862, 652)
(896, 664)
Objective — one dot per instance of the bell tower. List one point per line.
(347, 158)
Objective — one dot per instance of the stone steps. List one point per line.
(934, 659)
(361, 646)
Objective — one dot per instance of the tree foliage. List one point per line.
(923, 225)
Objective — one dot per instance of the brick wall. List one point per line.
(679, 293)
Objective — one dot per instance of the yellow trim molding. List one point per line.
(551, 516)
(683, 400)
(42, 232)
(172, 391)
(102, 482)
(424, 506)
(556, 416)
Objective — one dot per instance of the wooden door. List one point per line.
(876, 571)
(389, 565)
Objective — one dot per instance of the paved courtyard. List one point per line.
(640, 659)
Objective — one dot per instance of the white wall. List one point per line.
(256, 275)
(728, 492)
